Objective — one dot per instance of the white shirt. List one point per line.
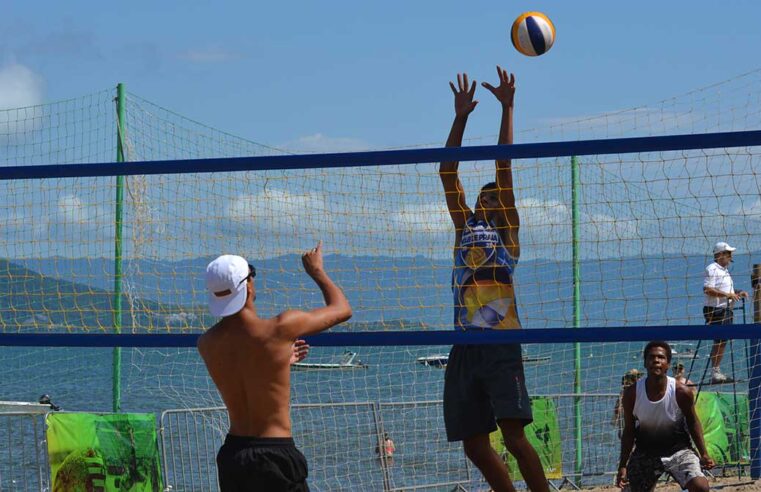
(660, 425)
(717, 277)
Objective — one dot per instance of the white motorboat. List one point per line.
(348, 360)
(440, 360)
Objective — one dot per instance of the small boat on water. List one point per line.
(440, 360)
(685, 351)
(434, 360)
(348, 360)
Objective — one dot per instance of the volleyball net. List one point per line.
(629, 221)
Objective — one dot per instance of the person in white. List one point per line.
(720, 296)
(661, 425)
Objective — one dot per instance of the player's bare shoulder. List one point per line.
(204, 342)
(684, 394)
(287, 319)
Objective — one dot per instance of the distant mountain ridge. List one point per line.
(32, 302)
(648, 290)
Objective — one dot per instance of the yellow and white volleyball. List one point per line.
(533, 33)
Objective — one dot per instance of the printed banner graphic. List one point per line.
(98, 453)
(543, 434)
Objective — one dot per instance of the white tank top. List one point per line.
(660, 425)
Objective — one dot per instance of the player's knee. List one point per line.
(519, 447)
(698, 484)
(476, 450)
(512, 432)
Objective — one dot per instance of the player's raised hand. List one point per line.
(505, 91)
(312, 260)
(463, 95)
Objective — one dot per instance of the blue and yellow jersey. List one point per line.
(482, 280)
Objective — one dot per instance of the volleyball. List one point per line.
(533, 33)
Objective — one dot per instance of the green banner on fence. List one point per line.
(114, 452)
(734, 409)
(725, 426)
(543, 434)
(712, 421)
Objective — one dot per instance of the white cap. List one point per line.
(226, 282)
(721, 247)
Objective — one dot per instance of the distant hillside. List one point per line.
(33, 302)
(408, 291)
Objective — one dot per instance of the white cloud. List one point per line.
(274, 205)
(20, 87)
(543, 213)
(71, 210)
(208, 55)
(605, 228)
(319, 143)
(24, 223)
(431, 217)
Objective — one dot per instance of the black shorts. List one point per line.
(483, 384)
(718, 316)
(269, 464)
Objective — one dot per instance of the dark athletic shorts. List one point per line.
(268, 464)
(718, 316)
(483, 384)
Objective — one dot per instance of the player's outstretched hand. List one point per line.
(463, 95)
(300, 351)
(505, 91)
(312, 260)
(621, 480)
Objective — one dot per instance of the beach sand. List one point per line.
(727, 484)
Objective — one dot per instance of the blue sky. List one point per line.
(339, 75)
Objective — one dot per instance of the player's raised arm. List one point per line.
(294, 324)
(463, 106)
(508, 216)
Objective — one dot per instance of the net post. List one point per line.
(754, 381)
(118, 222)
(577, 404)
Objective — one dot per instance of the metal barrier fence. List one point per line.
(23, 451)
(342, 443)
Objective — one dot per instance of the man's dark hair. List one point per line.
(489, 187)
(657, 343)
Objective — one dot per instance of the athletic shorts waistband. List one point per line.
(259, 442)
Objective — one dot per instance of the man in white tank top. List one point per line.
(659, 419)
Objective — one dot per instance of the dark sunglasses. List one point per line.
(251, 273)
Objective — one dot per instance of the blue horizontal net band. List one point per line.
(390, 157)
(400, 338)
